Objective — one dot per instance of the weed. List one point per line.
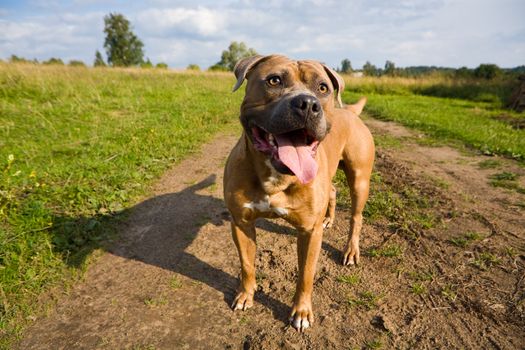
(418, 288)
(389, 251)
(374, 344)
(260, 276)
(155, 302)
(466, 239)
(366, 299)
(421, 275)
(511, 252)
(175, 283)
(448, 292)
(489, 164)
(506, 180)
(485, 260)
(349, 279)
(504, 176)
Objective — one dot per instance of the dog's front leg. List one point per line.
(244, 238)
(308, 247)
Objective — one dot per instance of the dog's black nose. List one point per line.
(307, 106)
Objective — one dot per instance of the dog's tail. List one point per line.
(357, 108)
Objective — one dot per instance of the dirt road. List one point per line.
(446, 272)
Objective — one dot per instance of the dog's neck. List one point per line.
(271, 181)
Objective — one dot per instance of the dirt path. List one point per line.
(168, 282)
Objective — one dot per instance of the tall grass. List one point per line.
(496, 91)
(78, 145)
(472, 123)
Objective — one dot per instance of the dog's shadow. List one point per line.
(159, 231)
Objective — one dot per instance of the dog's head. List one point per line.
(283, 112)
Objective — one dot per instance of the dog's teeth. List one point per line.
(271, 140)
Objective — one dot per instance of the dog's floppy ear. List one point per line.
(242, 67)
(337, 81)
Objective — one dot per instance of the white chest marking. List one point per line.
(264, 206)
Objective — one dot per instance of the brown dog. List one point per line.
(294, 139)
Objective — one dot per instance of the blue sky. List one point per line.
(449, 33)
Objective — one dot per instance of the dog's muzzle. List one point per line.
(291, 134)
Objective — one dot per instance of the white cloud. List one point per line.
(202, 21)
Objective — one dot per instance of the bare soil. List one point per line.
(168, 281)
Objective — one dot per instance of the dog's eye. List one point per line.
(323, 88)
(274, 81)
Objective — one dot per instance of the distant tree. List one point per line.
(369, 69)
(76, 63)
(463, 72)
(346, 66)
(55, 61)
(487, 71)
(193, 67)
(99, 61)
(390, 68)
(161, 65)
(218, 68)
(16, 59)
(235, 52)
(146, 64)
(123, 48)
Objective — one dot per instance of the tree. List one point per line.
(346, 66)
(99, 61)
(193, 66)
(463, 72)
(369, 69)
(123, 48)
(390, 68)
(161, 65)
(54, 60)
(146, 64)
(76, 63)
(235, 52)
(487, 71)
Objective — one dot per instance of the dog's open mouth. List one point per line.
(291, 152)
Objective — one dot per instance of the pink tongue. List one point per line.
(297, 156)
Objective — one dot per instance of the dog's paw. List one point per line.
(351, 255)
(302, 316)
(328, 222)
(243, 301)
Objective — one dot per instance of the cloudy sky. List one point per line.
(450, 33)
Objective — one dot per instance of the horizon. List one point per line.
(440, 33)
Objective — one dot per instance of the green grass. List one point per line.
(485, 260)
(407, 209)
(77, 146)
(496, 91)
(464, 240)
(506, 180)
(366, 299)
(418, 288)
(388, 251)
(450, 120)
(489, 164)
(349, 279)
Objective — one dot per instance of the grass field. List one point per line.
(78, 145)
(460, 113)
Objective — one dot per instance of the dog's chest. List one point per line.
(270, 205)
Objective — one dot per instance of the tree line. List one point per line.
(483, 71)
